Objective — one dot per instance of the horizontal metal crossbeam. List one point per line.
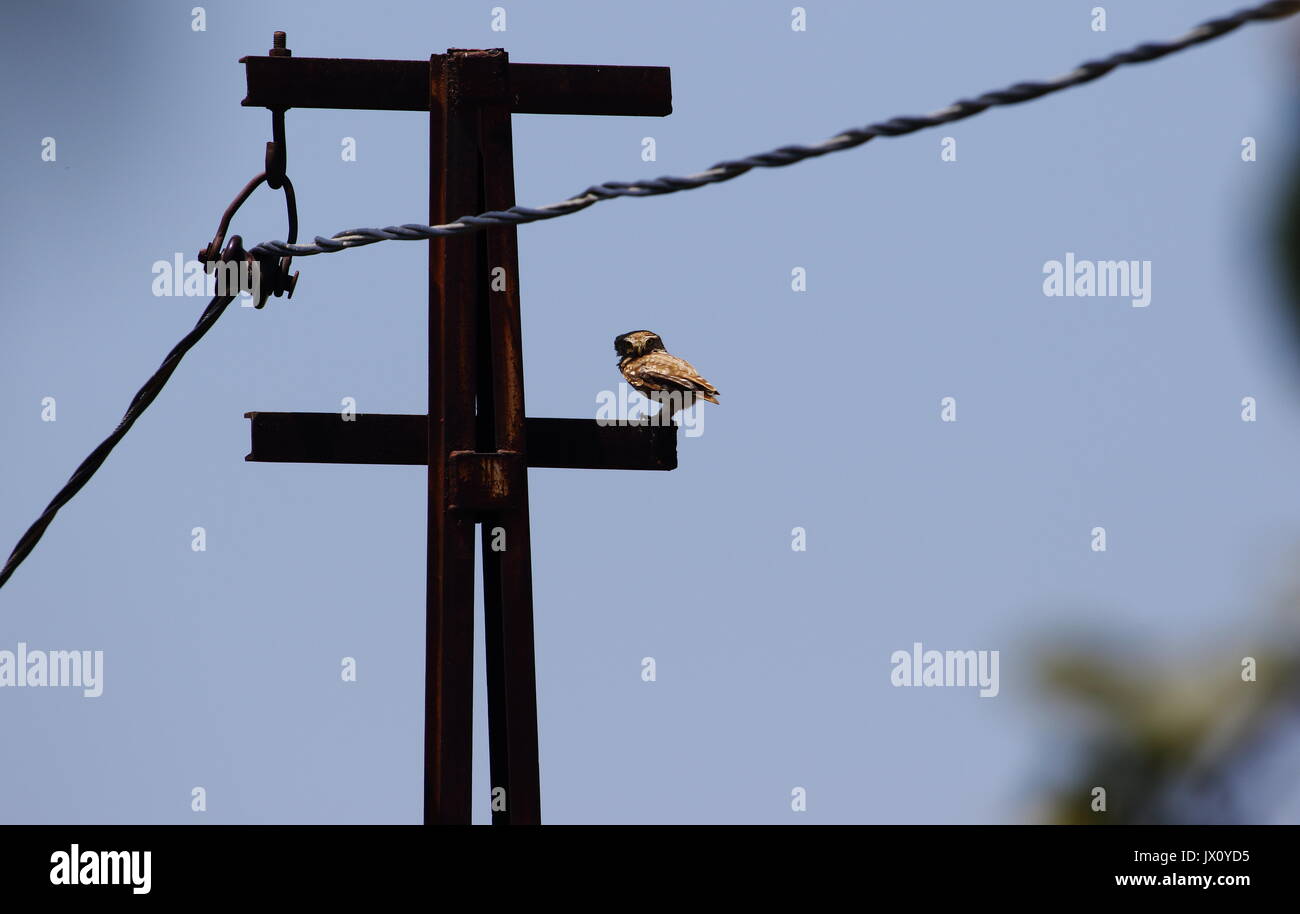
(403, 85)
(403, 440)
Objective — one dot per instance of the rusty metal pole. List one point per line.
(449, 633)
(476, 439)
(507, 574)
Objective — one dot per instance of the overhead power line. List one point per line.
(788, 155)
(519, 215)
(139, 404)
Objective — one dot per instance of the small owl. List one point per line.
(650, 368)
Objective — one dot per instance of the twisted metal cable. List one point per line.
(519, 215)
(139, 403)
(788, 155)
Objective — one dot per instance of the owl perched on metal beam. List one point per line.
(650, 368)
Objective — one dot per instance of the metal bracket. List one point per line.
(483, 482)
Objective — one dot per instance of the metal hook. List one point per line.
(273, 274)
(276, 150)
(276, 153)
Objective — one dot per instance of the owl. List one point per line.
(650, 368)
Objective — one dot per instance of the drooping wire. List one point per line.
(139, 404)
(277, 281)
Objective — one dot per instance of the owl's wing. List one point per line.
(663, 371)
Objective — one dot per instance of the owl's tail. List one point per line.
(703, 389)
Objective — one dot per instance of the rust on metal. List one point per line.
(449, 616)
(485, 481)
(403, 440)
(402, 85)
(507, 573)
(476, 440)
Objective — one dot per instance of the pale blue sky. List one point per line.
(924, 281)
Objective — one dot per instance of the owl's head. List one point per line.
(636, 343)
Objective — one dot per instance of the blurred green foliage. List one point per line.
(1164, 740)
